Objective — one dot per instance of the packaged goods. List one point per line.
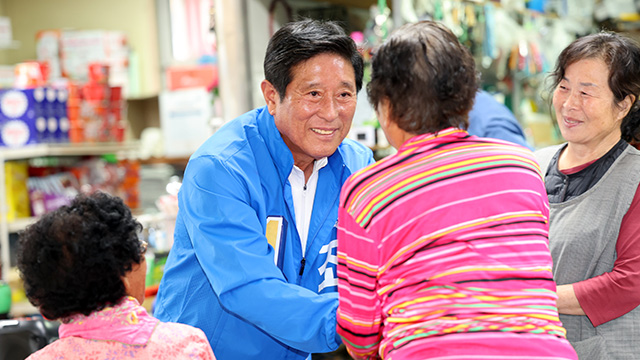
(19, 112)
(32, 116)
(17, 195)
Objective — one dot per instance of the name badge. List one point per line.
(276, 234)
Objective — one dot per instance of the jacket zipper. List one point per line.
(302, 266)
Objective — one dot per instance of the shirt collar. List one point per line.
(127, 322)
(421, 140)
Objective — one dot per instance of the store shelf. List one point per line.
(70, 149)
(127, 149)
(20, 224)
(23, 308)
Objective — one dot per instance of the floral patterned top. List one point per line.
(125, 331)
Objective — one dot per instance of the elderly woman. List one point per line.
(442, 247)
(84, 265)
(592, 181)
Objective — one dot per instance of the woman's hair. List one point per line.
(299, 41)
(428, 77)
(73, 259)
(622, 57)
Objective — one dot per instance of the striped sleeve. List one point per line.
(359, 313)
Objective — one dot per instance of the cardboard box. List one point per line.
(185, 77)
(19, 111)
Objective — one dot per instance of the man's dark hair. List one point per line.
(299, 41)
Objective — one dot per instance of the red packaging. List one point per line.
(98, 73)
(116, 93)
(28, 75)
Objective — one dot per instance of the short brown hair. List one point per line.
(428, 77)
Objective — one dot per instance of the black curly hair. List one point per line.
(73, 259)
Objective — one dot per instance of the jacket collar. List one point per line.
(280, 153)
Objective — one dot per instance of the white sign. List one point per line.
(184, 119)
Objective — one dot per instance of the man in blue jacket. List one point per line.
(253, 262)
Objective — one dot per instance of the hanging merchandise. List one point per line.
(272, 11)
(383, 20)
(408, 11)
(490, 51)
(379, 23)
(515, 43)
(517, 5)
(536, 5)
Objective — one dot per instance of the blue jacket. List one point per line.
(489, 118)
(220, 275)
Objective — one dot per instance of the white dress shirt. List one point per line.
(303, 197)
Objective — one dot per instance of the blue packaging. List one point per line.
(60, 113)
(20, 110)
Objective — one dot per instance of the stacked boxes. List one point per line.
(55, 106)
(96, 109)
(70, 53)
(76, 123)
(95, 96)
(61, 134)
(19, 112)
(31, 116)
(116, 115)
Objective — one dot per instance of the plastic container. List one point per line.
(5, 298)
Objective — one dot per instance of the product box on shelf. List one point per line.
(20, 111)
(31, 116)
(17, 195)
(59, 133)
(184, 77)
(76, 122)
(52, 121)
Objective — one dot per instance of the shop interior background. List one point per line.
(142, 83)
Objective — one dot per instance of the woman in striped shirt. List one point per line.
(442, 247)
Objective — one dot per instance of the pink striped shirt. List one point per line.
(443, 254)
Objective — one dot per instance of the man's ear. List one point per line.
(271, 96)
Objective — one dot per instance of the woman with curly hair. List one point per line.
(442, 247)
(84, 265)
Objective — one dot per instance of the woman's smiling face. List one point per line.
(585, 107)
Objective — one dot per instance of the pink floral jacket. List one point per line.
(125, 331)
